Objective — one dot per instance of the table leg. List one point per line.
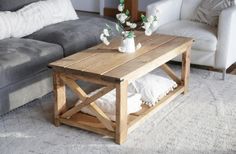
(185, 69)
(121, 112)
(59, 97)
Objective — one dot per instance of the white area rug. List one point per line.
(203, 121)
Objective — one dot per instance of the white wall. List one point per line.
(111, 3)
(87, 5)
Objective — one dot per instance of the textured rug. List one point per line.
(203, 121)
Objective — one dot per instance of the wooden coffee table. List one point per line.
(105, 66)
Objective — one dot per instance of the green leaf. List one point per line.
(118, 28)
(108, 26)
(144, 18)
(122, 1)
(130, 34)
(127, 12)
(155, 18)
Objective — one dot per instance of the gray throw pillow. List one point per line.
(209, 11)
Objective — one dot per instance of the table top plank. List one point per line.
(150, 60)
(75, 58)
(108, 64)
(79, 56)
(107, 60)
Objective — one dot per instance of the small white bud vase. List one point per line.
(127, 45)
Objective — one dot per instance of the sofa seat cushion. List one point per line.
(21, 58)
(74, 35)
(204, 35)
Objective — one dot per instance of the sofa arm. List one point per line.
(169, 10)
(226, 49)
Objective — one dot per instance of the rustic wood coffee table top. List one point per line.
(107, 63)
(105, 66)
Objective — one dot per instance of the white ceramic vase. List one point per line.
(127, 45)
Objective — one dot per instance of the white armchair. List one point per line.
(215, 47)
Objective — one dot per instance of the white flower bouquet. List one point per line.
(126, 28)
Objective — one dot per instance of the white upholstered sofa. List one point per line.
(215, 47)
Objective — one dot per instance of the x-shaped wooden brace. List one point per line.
(171, 74)
(88, 101)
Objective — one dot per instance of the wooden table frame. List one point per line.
(124, 123)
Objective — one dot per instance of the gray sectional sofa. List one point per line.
(24, 75)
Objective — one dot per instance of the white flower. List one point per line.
(150, 19)
(154, 24)
(122, 17)
(125, 34)
(105, 41)
(147, 25)
(131, 25)
(148, 32)
(128, 23)
(106, 32)
(121, 7)
(103, 38)
(139, 45)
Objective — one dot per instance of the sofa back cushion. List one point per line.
(210, 10)
(35, 16)
(13, 5)
(189, 8)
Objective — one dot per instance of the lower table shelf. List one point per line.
(91, 123)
